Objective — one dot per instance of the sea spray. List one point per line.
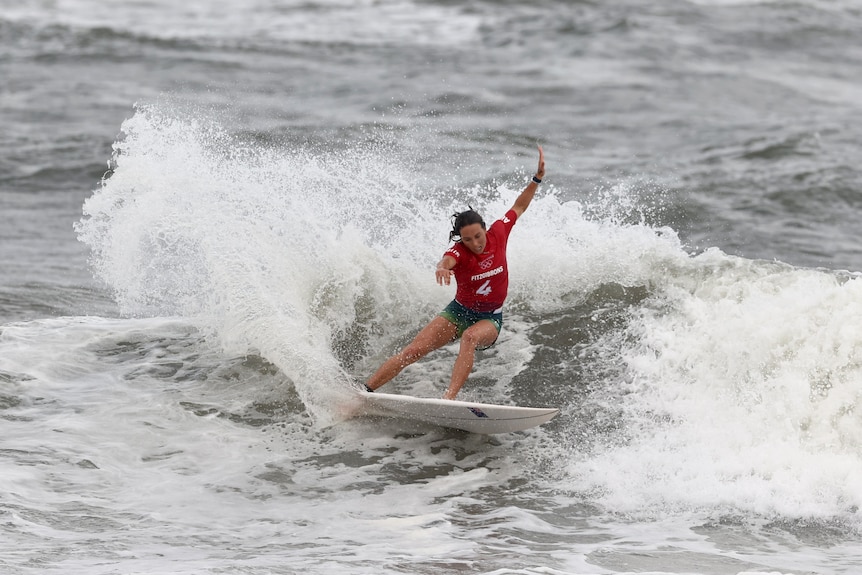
(268, 249)
(741, 392)
(316, 259)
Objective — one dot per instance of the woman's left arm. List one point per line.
(523, 201)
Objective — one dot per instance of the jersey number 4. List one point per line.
(485, 288)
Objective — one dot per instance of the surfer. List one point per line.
(477, 259)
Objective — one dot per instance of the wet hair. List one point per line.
(462, 219)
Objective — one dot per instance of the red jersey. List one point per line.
(483, 279)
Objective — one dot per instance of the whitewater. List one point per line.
(220, 219)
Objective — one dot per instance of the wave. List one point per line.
(688, 379)
(280, 251)
(275, 29)
(740, 391)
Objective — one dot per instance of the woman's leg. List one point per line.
(436, 334)
(481, 334)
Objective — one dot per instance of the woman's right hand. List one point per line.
(444, 276)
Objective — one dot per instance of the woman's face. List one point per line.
(474, 237)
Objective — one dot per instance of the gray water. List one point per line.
(219, 216)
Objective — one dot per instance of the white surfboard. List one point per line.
(465, 415)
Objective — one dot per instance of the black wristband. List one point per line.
(536, 180)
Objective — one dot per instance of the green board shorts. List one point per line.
(464, 317)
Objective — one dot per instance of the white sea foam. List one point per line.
(742, 393)
(738, 387)
(291, 253)
(271, 250)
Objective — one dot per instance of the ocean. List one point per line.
(219, 217)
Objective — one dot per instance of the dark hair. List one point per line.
(462, 219)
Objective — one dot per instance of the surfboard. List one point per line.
(485, 418)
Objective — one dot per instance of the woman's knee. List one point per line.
(475, 339)
(469, 339)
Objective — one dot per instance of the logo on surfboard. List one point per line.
(477, 412)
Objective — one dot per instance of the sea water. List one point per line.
(219, 218)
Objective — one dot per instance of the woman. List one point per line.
(478, 262)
